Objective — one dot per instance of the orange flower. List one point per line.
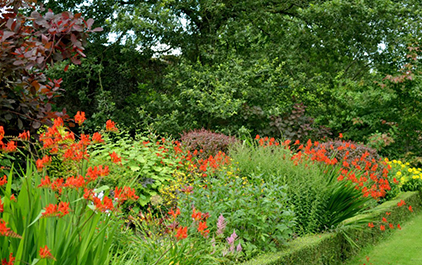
(63, 208)
(12, 197)
(1, 206)
(257, 137)
(371, 225)
(384, 220)
(182, 233)
(80, 117)
(391, 226)
(10, 262)
(125, 194)
(111, 126)
(76, 183)
(10, 147)
(401, 203)
(410, 208)
(382, 227)
(174, 214)
(115, 158)
(24, 136)
(399, 227)
(42, 162)
(97, 138)
(3, 180)
(106, 205)
(1, 133)
(340, 135)
(388, 213)
(45, 182)
(3, 229)
(45, 253)
(196, 215)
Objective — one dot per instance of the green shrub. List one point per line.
(261, 214)
(146, 163)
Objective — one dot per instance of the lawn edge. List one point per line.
(334, 248)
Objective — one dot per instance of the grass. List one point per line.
(398, 248)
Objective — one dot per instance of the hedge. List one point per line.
(334, 248)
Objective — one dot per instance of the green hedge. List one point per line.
(333, 248)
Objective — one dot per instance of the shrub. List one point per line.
(261, 214)
(209, 142)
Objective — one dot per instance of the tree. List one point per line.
(29, 45)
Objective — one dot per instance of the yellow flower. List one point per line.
(398, 173)
(410, 170)
(415, 176)
(399, 162)
(407, 163)
(394, 161)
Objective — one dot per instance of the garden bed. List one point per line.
(333, 248)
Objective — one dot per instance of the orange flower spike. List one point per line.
(202, 226)
(371, 225)
(1, 132)
(401, 203)
(24, 136)
(10, 147)
(382, 227)
(50, 210)
(399, 227)
(196, 215)
(111, 126)
(80, 117)
(115, 158)
(63, 208)
(45, 253)
(388, 213)
(257, 137)
(384, 220)
(3, 180)
(297, 142)
(13, 198)
(10, 262)
(340, 135)
(45, 182)
(182, 233)
(97, 138)
(3, 229)
(391, 226)
(1, 206)
(410, 208)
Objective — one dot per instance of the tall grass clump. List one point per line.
(320, 200)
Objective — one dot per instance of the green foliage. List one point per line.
(320, 201)
(82, 236)
(261, 215)
(146, 163)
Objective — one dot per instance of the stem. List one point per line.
(165, 252)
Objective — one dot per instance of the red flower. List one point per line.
(3, 229)
(399, 227)
(340, 135)
(196, 215)
(10, 262)
(174, 214)
(97, 138)
(10, 147)
(182, 233)
(80, 117)
(371, 225)
(24, 136)
(125, 194)
(3, 180)
(388, 213)
(391, 226)
(384, 220)
(401, 203)
(410, 208)
(45, 253)
(111, 126)
(115, 158)
(257, 137)
(1, 206)
(382, 227)
(45, 182)
(12, 197)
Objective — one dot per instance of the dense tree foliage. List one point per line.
(245, 66)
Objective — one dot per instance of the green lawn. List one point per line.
(402, 247)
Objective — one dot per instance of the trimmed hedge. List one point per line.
(333, 248)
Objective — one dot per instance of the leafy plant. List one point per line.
(29, 45)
